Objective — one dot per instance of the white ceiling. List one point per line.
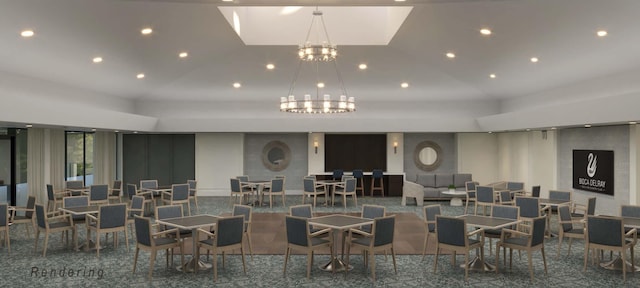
(575, 65)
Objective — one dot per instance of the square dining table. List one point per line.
(192, 223)
(485, 222)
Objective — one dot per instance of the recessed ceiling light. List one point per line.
(27, 33)
(553, 128)
(400, 0)
(587, 125)
(140, 76)
(227, 0)
(492, 76)
(320, 85)
(97, 59)
(29, 126)
(271, 66)
(93, 129)
(237, 85)
(404, 85)
(117, 131)
(183, 54)
(633, 122)
(534, 59)
(451, 55)
(146, 31)
(485, 31)
(602, 33)
(135, 132)
(362, 66)
(528, 129)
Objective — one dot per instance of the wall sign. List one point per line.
(593, 171)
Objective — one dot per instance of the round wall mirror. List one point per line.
(427, 156)
(276, 156)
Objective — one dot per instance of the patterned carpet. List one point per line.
(113, 269)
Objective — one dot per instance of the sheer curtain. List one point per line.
(35, 164)
(56, 157)
(104, 158)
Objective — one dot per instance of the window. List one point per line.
(79, 157)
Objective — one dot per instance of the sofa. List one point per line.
(431, 186)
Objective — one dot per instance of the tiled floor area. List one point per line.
(113, 269)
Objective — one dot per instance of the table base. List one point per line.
(477, 264)
(616, 264)
(455, 202)
(92, 246)
(191, 264)
(339, 265)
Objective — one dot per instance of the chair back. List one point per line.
(31, 204)
(117, 187)
(180, 191)
(505, 196)
(377, 173)
(50, 195)
(41, 216)
(148, 184)
(529, 207)
(430, 212)
(505, 211)
(350, 185)
(303, 211)
(630, 211)
(383, 230)
(76, 201)
(591, 206)
(451, 231)
(277, 185)
(371, 212)
(229, 230)
(485, 194)
(537, 231)
(112, 216)
(166, 212)
(4, 215)
(560, 195)
(137, 203)
(470, 185)
(193, 184)
(131, 190)
(243, 178)
(99, 192)
(605, 230)
(235, 185)
(344, 178)
(73, 184)
(244, 211)
(297, 230)
(309, 185)
(515, 186)
(565, 215)
(143, 230)
(337, 174)
(358, 173)
(535, 191)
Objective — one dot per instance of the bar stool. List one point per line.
(337, 174)
(377, 174)
(359, 180)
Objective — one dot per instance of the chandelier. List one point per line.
(315, 54)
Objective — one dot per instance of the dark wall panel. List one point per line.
(184, 155)
(134, 155)
(160, 158)
(355, 151)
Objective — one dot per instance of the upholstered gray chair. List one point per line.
(346, 189)
(485, 197)
(529, 209)
(371, 212)
(116, 191)
(515, 188)
(99, 194)
(28, 217)
(55, 198)
(470, 187)
(429, 214)
(152, 242)
(276, 188)
(76, 201)
(228, 236)
(245, 211)
(179, 195)
(311, 190)
(193, 193)
(110, 219)
(4, 225)
(452, 235)
(136, 209)
(608, 233)
(74, 187)
(532, 241)
(501, 211)
(305, 211)
(299, 237)
(581, 210)
(379, 240)
(535, 191)
(377, 176)
(52, 222)
(559, 195)
(237, 191)
(630, 211)
(504, 197)
(567, 230)
(171, 211)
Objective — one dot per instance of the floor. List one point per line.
(24, 267)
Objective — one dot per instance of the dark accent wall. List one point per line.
(355, 151)
(169, 158)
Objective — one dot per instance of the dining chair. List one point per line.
(567, 230)
(310, 190)
(485, 197)
(470, 187)
(74, 187)
(99, 194)
(228, 236)
(377, 176)
(149, 204)
(608, 233)
(53, 222)
(136, 209)
(4, 226)
(152, 242)
(452, 235)
(359, 175)
(193, 193)
(179, 195)
(369, 212)
(379, 240)
(429, 214)
(171, 211)
(348, 188)
(504, 198)
(559, 195)
(28, 217)
(582, 210)
(299, 237)
(535, 191)
(516, 188)
(55, 198)
(237, 191)
(110, 219)
(529, 209)
(148, 184)
(246, 212)
(525, 241)
(116, 191)
(76, 201)
(276, 188)
(501, 211)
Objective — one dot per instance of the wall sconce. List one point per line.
(315, 146)
(395, 147)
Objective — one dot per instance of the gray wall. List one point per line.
(297, 169)
(614, 138)
(447, 142)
